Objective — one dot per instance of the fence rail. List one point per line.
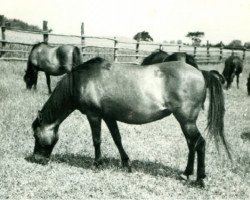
(202, 54)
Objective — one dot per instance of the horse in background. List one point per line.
(52, 61)
(155, 57)
(148, 94)
(248, 85)
(162, 56)
(233, 67)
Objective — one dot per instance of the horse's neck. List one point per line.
(59, 105)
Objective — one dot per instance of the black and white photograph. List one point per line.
(124, 99)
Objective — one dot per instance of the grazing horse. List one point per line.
(162, 56)
(52, 60)
(148, 94)
(233, 67)
(248, 84)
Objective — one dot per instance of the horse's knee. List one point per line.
(201, 144)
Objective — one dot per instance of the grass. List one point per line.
(158, 151)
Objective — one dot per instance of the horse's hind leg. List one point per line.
(187, 118)
(95, 125)
(48, 82)
(195, 143)
(113, 128)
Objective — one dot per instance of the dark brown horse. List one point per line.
(52, 61)
(160, 56)
(133, 95)
(233, 67)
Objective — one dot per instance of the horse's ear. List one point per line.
(39, 116)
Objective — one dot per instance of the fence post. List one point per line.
(45, 32)
(233, 49)
(208, 54)
(160, 47)
(3, 28)
(221, 50)
(82, 38)
(195, 51)
(115, 49)
(137, 48)
(244, 53)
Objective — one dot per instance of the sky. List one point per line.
(165, 20)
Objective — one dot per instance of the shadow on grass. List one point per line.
(147, 167)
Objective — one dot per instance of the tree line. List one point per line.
(196, 38)
(17, 23)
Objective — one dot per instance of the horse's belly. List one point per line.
(135, 112)
(132, 117)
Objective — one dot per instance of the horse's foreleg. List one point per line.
(237, 80)
(48, 82)
(35, 79)
(95, 125)
(113, 128)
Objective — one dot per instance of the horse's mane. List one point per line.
(60, 98)
(93, 63)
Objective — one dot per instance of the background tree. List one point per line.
(247, 45)
(195, 37)
(179, 41)
(235, 44)
(143, 36)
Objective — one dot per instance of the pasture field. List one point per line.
(158, 151)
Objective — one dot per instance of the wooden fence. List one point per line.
(113, 52)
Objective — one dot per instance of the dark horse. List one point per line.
(52, 60)
(233, 67)
(133, 95)
(162, 56)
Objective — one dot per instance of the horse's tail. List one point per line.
(77, 57)
(216, 110)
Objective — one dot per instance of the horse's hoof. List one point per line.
(184, 177)
(127, 166)
(97, 163)
(199, 183)
(40, 159)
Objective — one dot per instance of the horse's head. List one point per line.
(46, 137)
(28, 80)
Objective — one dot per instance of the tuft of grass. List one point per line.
(158, 151)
